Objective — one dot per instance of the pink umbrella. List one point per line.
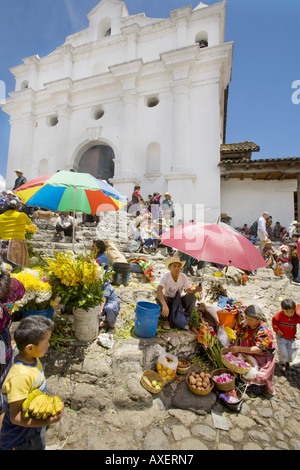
(216, 244)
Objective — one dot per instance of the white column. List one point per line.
(128, 142)
(27, 157)
(62, 160)
(181, 151)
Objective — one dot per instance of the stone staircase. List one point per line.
(113, 226)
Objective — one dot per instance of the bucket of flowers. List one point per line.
(77, 279)
(39, 296)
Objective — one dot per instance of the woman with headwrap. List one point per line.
(255, 338)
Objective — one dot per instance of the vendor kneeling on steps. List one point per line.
(170, 287)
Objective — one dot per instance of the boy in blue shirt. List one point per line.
(110, 307)
(18, 432)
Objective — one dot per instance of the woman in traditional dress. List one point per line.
(255, 339)
(12, 235)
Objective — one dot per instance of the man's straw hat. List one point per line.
(175, 259)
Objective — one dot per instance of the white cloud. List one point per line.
(2, 183)
(73, 17)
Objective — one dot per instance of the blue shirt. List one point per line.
(103, 261)
(109, 293)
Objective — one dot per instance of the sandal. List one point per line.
(166, 325)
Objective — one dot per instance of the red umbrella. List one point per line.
(216, 244)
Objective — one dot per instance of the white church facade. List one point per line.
(132, 99)
(139, 99)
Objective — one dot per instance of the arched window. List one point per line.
(104, 28)
(202, 39)
(24, 85)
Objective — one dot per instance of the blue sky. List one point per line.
(266, 61)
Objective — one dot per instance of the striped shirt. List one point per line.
(288, 325)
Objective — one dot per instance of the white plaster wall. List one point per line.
(245, 201)
(77, 95)
(205, 141)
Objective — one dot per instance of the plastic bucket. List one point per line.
(146, 319)
(227, 318)
(48, 313)
(122, 274)
(86, 324)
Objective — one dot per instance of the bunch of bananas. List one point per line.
(41, 406)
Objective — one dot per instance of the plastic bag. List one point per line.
(222, 337)
(253, 371)
(106, 340)
(167, 366)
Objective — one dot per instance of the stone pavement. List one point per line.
(108, 409)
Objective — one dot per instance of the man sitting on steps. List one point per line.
(170, 285)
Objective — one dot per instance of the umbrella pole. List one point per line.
(73, 237)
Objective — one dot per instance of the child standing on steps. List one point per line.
(17, 432)
(285, 326)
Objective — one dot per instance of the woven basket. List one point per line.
(223, 386)
(184, 367)
(147, 379)
(194, 390)
(233, 367)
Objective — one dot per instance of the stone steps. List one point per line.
(110, 227)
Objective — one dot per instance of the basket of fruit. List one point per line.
(199, 382)
(224, 379)
(151, 381)
(183, 366)
(235, 362)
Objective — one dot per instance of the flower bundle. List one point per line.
(77, 279)
(211, 344)
(30, 231)
(38, 291)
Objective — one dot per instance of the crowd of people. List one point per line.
(150, 220)
(285, 257)
(174, 295)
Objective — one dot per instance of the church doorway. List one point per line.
(98, 161)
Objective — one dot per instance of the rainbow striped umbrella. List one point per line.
(67, 191)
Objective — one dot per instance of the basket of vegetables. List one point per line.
(151, 381)
(235, 362)
(224, 379)
(199, 382)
